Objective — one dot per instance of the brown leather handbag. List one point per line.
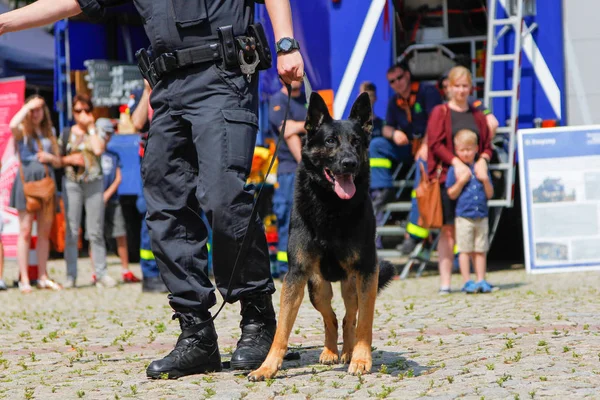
(429, 192)
(39, 195)
(429, 200)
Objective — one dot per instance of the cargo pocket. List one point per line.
(189, 13)
(241, 126)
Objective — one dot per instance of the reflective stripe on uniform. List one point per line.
(413, 194)
(380, 163)
(146, 254)
(455, 249)
(282, 256)
(417, 231)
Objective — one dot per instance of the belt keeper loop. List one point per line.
(169, 60)
(183, 58)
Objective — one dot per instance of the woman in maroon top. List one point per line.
(444, 122)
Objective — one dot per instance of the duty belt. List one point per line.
(168, 62)
(248, 53)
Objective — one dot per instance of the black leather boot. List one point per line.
(258, 330)
(196, 351)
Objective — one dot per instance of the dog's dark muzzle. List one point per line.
(349, 165)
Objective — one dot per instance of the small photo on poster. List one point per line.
(551, 251)
(552, 189)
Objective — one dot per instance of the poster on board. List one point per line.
(560, 198)
(12, 98)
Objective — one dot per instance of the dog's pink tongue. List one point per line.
(344, 186)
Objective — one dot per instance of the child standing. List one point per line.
(114, 222)
(471, 194)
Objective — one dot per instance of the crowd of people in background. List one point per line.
(439, 126)
(91, 175)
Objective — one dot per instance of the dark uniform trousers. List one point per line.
(198, 156)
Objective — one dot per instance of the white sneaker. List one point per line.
(106, 282)
(3, 285)
(70, 283)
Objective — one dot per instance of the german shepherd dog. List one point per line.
(332, 238)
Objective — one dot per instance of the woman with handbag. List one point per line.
(445, 121)
(83, 186)
(34, 190)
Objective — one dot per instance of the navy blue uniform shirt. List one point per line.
(427, 98)
(110, 161)
(378, 125)
(277, 106)
(180, 24)
(472, 201)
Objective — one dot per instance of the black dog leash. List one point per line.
(244, 247)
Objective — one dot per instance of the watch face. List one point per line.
(285, 44)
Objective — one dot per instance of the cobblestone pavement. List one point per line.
(538, 337)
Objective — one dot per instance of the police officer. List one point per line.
(198, 155)
(405, 124)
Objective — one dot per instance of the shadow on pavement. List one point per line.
(308, 364)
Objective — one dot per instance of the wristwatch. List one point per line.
(286, 45)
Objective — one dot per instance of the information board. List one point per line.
(560, 198)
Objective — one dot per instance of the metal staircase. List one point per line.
(400, 206)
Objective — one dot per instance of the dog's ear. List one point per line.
(362, 112)
(317, 114)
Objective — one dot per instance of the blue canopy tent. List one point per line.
(28, 53)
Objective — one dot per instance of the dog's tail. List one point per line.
(386, 274)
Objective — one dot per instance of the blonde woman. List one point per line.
(445, 121)
(37, 148)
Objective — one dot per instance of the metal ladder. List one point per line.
(498, 26)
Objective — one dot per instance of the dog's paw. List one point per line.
(346, 357)
(328, 357)
(360, 367)
(261, 374)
